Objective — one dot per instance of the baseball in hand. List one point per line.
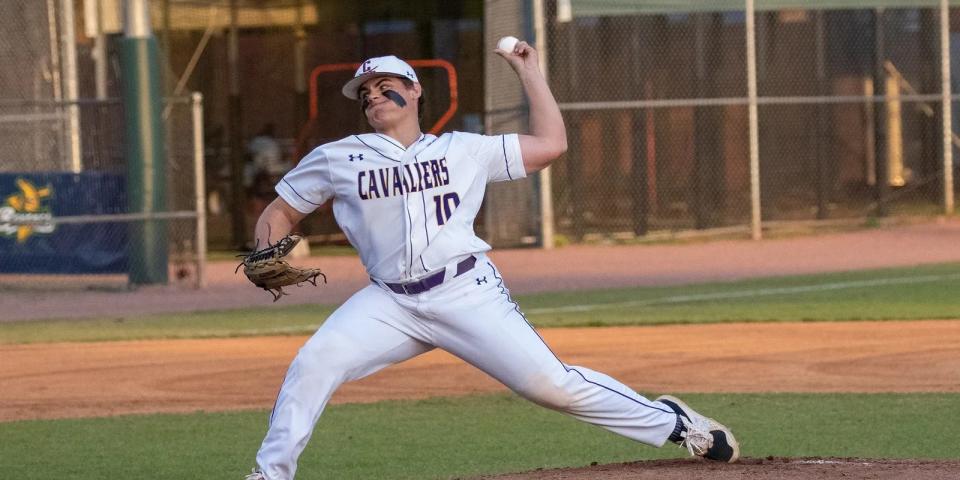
(507, 44)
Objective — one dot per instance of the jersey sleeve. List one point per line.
(309, 184)
(500, 154)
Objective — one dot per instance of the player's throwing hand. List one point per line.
(522, 58)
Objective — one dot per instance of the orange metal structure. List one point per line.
(426, 63)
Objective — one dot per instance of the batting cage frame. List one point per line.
(314, 93)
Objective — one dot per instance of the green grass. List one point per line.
(449, 438)
(290, 320)
(926, 292)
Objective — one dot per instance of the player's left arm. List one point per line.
(548, 136)
(276, 221)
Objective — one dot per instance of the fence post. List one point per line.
(546, 188)
(200, 187)
(69, 39)
(946, 107)
(822, 130)
(755, 226)
(881, 142)
(146, 159)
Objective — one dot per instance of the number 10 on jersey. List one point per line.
(445, 204)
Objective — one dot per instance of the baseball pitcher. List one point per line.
(407, 202)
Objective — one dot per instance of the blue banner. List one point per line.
(31, 243)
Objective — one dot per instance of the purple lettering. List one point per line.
(435, 170)
(424, 175)
(363, 196)
(383, 182)
(373, 185)
(444, 171)
(397, 181)
(414, 186)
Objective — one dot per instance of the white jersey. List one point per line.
(407, 211)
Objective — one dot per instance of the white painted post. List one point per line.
(755, 226)
(200, 187)
(68, 38)
(546, 188)
(947, 107)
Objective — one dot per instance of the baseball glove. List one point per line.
(268, 270)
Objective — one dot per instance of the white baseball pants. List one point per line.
(470, 316)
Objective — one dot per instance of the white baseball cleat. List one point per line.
(255, 475)
(703, 436)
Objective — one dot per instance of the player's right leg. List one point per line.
(475, 319)
(358, 339)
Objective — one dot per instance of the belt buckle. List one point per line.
(422, 285)
(413, 288)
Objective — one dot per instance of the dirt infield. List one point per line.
(766, 469)
(111, 378)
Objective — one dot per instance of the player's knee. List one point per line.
(323, 355)
(552, 392)
(316, 367)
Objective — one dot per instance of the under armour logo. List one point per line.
(481, 280)
(357, 157)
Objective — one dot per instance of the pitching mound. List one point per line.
(767, 468)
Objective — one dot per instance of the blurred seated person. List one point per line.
(265, 167)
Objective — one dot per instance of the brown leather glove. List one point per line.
(268, 270)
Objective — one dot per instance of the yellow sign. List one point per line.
(25, 213)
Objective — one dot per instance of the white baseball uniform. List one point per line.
(409, 212)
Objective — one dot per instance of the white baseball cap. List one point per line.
(378, 67)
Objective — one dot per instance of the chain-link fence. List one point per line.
(32, 61)
(69, 217)
(30, 50)
(64, 174)
(656, 101)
